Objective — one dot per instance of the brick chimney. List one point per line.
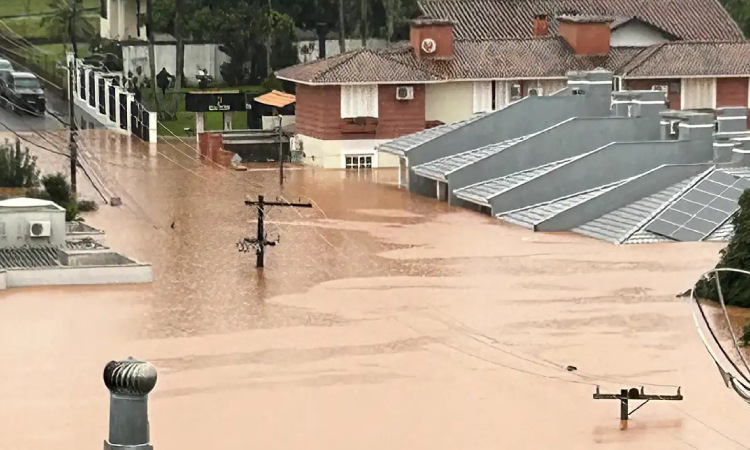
(541, 25)
(587, 35)
(432, 38)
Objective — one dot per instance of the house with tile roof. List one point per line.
(469, 57)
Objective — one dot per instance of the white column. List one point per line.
(129, 111)
(107, 84)
(153, 126)
(96, 92)
(120, 19)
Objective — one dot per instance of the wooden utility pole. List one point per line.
(281, 154)
(260, 242)
(71, 105)
(633, 394)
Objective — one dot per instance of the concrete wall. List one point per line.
(197, 56)
(308, 50)
(331, 154)
(93, 258)
(572, 138)
(611, 163)
(14, 230)
(524, 117)
(65, 276)
(449, 102)
(649, 183)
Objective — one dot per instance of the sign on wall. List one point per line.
(216, 101)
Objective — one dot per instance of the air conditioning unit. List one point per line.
(578, 91)
(405, 93)
(536, 91)
(515, 92)
(659, 87)
(40, 228)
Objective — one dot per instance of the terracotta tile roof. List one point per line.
(497, 59)
(498, 19)
(691, 59)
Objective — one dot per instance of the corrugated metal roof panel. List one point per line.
(621, 223)
(438, 169)
(28, 257)
(533, 215)
(402, 145)
(480, 193)
(723, 233)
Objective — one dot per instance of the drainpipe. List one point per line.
(129, 382)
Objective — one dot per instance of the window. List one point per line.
(27, 83)
(358, 162)
(359, 101)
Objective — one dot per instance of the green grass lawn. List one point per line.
(186, 119)
(33, 27)
(18, 7)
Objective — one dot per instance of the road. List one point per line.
(26, 122)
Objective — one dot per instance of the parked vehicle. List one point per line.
(5, 66)
(22, 92)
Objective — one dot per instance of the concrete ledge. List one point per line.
(68, 276)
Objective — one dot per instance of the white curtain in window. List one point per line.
(502, 94)
(359, 101)
(698, 93)
(482, 96)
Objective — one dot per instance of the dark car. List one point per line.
(22, 92)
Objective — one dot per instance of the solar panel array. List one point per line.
(703, 209)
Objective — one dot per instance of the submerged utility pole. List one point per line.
(71, 106)
(260, 242)
(281, 154)
(633, 394)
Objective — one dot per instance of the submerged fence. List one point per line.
(103, 96)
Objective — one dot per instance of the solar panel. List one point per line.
(702, 209)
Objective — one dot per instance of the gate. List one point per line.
(112, 104)
(82, 85)
(123, 111)
(102, 98)
(139, 120)
(145, 122)
(92, 97)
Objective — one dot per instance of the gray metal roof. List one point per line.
(440, 168)
(723, 233)
(86, 243)
(28, 257)
(403, 144)
(531, 216)
(624, 225)
(481, 193)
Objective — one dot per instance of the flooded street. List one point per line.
(382, 320)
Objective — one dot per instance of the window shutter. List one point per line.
(482, 96)
(698, 93)
(359, 101)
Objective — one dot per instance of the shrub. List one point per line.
(735, 286)
(58, 190)
(17, 167)
(272, 83)
(87, 206)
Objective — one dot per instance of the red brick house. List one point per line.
(473, 56)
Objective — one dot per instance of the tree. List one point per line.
(735, 286)
(342, 31)
(179, 6)
(363, 22)
(151, 53)
(66, 17)
(17, 167)
(58, 190)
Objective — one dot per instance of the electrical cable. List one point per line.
(23, 138)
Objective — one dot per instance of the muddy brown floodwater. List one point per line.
(382, 320)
